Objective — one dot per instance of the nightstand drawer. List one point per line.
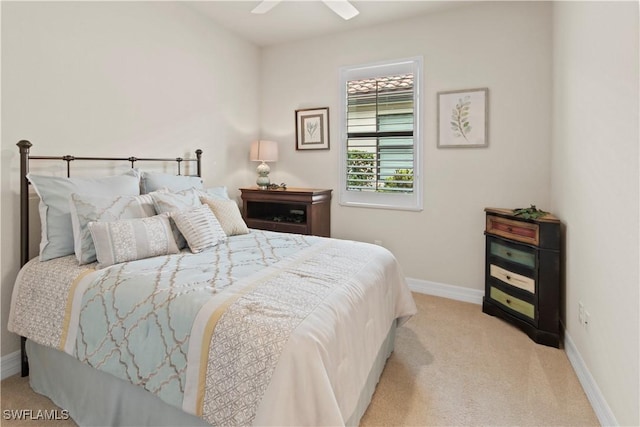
(522, 255)
(516, 230)
(513, 303)
(513, 279)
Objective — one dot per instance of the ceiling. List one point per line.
(292, 20)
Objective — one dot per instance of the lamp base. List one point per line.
(263, 176)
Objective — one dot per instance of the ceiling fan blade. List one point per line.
(342, 7)
(265, 6)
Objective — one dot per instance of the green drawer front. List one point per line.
(514, 255)
(513, 303)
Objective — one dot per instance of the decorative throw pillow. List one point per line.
(132, 239)
(167, 202)
(153, 181)
(228, 215)
(215, 193)
(87, 208)
(199, 227)
(55, 216)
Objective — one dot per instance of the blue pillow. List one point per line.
(55, 212)
(215, 193)
(154, 181)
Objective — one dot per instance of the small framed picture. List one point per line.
(312, 129)
(462, 118)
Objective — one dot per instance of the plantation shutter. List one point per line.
(380, 134)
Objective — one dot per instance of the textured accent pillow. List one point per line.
(167, 202)
(132, 239)
(55, 215)
(228, 215)
(87, 208)
(153, 181)
(199, 227)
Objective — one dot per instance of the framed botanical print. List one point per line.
(312, 129)
(462, 118)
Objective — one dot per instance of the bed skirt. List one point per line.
(95, 398)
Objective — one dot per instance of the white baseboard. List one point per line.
(589, 385)
(446, 291)
(10, 364)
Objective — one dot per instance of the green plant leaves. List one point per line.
(460, 118)
(530, 213)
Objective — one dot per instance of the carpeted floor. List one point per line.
(452, 366)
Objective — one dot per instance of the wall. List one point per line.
(595, 190)
(505, 46)
(120, 79)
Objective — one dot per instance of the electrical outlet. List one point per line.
(581, 312)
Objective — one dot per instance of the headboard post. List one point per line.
(24, 146)
(24, 201)
(198, 162)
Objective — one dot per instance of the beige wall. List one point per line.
(595, 189)
(120, 78)
(503, 46)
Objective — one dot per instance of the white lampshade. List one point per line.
(264, 151)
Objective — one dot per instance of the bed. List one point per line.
(161, 308)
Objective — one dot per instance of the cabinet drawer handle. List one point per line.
(508, 277)
(509, 253)
(509, 229)
(508, 301)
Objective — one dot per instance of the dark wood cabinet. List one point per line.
(291, 210)
(522, 273)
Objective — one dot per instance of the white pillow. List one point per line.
(199, 227)
(55, 216)
(132, 239)
(87, 208)
(153, 181)
(167, 202)
(228, 215)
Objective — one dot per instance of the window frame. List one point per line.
(383, 200)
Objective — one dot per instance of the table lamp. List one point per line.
(263, 151)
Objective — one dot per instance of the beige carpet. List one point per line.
(453, 366)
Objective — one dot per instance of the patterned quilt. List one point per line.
(208, 332)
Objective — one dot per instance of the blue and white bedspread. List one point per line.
(267, 328)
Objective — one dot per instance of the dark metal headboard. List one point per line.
(24, 147)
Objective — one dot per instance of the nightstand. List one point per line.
(291, 210)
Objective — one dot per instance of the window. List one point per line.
(380, 135)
